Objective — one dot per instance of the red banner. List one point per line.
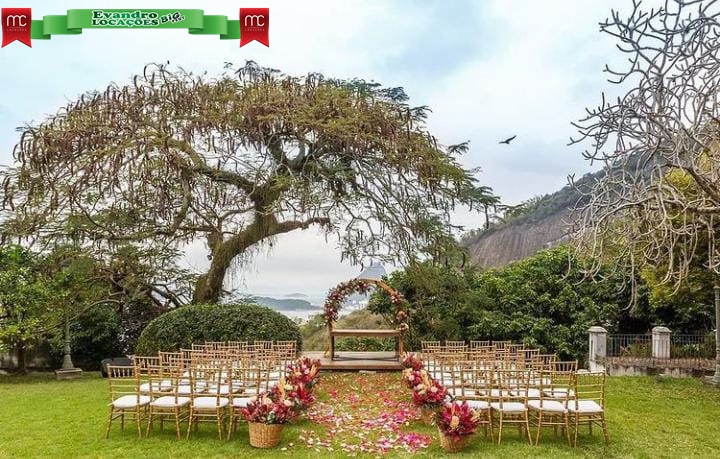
(254, 25)
(16, 25)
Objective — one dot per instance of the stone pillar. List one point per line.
(597, 348)
(661, 343)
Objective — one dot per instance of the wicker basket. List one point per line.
(449, 444)
(426, 414)
(265, 435)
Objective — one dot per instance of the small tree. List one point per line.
(235, 161)
(24, 305)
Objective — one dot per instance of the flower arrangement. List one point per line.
(269, 408)
(457, 420)
(411, 361)
(298, 395)
(337, 296)
(429, 393)
(304, 371)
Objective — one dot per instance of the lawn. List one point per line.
(647, 417)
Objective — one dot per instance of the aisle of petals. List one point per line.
(363, 413)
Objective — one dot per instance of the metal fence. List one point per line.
(695, 350)
(629, 345)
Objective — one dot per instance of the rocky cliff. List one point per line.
(543, 224)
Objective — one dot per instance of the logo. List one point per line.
(254, 25)
(16, 25)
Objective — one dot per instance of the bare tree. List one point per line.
(235, 161)
(657, 203)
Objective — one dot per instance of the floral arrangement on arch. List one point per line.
(337, 297)
(457, 420)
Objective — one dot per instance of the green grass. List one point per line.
(647, 417)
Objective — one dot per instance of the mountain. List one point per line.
(295, 295)
(540, 223)
(284, 304)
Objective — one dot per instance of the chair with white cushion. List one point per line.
(210, 405)
(561, 381)
(549, 410)
(477, 386)
(125, 397)
(168, 402)
(588, 406)
(247, 385)
(509, 400)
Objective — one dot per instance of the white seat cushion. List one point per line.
(478, 404)
(509, 407)
(584, 406)
(547, 405)
(131, 401)
(163, 386)
(241, 402)
(207, 403)
(169, 401)
(531, 393)
(560, 392)
(223, 390)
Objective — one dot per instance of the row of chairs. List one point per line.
(207, 383)
(542, 391)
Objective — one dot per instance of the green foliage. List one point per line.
(24, 298)
(95, 335)
(181, 327)
(540, 300)
(315, 337)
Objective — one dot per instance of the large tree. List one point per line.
(233, 161)
(657, 203)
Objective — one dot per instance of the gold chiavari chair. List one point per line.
(198, 347)
(214, 345)
(144, 366)
(561, 380)
(528, 355)
(427, 347)
(477, 387)
(264, 345)
(474, 344)
(588, 404)
(501, 344)
(483, 355)
(125, 397)
(550, 410)
(211, 405)
(286, 351)
(510, 400)
(247, 386)
(168, 403)
(457, 348)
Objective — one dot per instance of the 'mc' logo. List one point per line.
(254, 25)
(16, 25)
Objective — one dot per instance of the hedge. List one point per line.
(183, 326)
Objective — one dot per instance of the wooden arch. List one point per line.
(339, 294)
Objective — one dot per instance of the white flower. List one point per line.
(433, 389)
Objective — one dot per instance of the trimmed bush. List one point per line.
(183, 326)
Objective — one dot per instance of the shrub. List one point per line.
(181, 327)
(94, 335)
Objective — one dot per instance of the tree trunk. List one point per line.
(21, 350)
(209, 286)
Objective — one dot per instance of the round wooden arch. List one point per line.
(339, 294)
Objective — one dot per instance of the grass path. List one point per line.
(356, 414)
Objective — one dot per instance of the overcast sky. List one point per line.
(488, 69)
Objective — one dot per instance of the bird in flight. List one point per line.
(508, 140)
